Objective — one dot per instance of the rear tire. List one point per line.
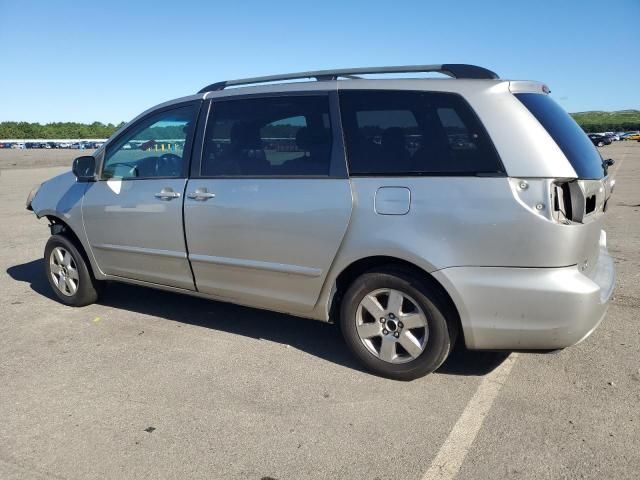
(396, 324)
(68, 273)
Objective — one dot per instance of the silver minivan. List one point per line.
(410, 211)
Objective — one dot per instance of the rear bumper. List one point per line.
(530, 308)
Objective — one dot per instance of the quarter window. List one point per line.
(414, 133)
(153, 148)
(277, 136)
(579, 150)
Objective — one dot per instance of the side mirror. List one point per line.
(607, 163)
(84, 168)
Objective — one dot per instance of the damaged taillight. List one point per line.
(573, 200)
(563, 199)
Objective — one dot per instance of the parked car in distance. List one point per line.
(613, 136)
(35, 145)
(632, 136)
(401, 209)
(599, 140)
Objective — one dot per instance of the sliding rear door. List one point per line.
(267, 210)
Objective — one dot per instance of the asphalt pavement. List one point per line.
(150, 384)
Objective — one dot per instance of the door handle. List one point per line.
(167, 194)
(201, 194)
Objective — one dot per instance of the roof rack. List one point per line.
(455, 70)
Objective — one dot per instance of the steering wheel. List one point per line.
(168, 165)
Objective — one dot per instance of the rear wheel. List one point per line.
(68, 273)
(601, 144)
(396, 324)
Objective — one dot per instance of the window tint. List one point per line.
(414, 133)
(276, 136)
(153, 148)
(571, 139)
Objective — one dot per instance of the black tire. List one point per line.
(601, 144)
(87, 287)
(441, 322)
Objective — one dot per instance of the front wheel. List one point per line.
(397, 324)
(68, 273)
(601, 144)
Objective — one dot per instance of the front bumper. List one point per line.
(31, 196)
(506, 308)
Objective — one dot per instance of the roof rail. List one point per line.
(455, 70)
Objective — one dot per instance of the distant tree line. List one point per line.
(599, 121)
(57, 130)
(21, 130)
(610, 127)
(165, 133)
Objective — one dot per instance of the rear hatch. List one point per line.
(579, 202)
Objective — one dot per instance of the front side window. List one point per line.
(153, 148)
(414, 133)
(278, 136)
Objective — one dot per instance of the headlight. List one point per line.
(31, 196)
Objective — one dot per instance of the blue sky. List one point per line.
(109, 60)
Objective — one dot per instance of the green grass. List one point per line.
(604, 121)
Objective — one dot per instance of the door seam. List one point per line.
(184, 236)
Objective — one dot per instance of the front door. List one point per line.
(133, 214)
(266, 213)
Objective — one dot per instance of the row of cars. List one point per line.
(83, 145)
(598, 139)
(602, 139)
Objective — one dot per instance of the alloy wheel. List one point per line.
(64, 271)
(392, 326)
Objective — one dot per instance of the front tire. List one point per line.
(397, 324)
(68, 273)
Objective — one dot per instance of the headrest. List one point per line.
(245, 135)
(307, 139)
(393, 137)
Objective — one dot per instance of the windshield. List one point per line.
(576, 146)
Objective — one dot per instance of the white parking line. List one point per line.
(447, 463)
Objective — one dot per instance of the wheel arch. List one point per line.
(58, 226)
(348, 275)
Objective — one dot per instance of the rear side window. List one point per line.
(277, 136)
(414, 133)
(571, 139)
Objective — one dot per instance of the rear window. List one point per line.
(414, 133)
(571, 139)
